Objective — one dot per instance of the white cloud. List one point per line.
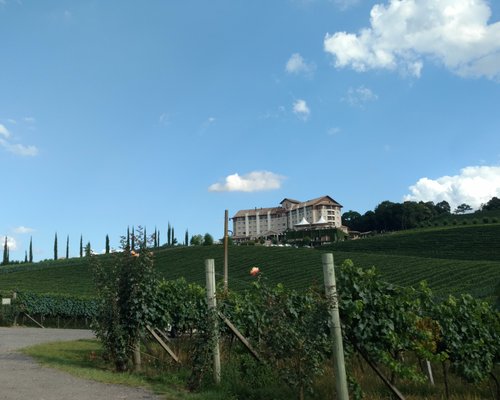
(474, 186)
(23, 229)
(345, 4)
(334, 131)
(301, 109)
(4, 131)
(19, 149)
(404, 33)
(251, 182)
(11, 243)
(359, 96)
(297, 65)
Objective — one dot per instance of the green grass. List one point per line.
(82, 358)
(454, 260)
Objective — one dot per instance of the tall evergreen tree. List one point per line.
(132, 239)
(5, 252)
(155, 237)
(174, 241)
(25, 256)
(145, 238)
(186, 238)
(128, 237)
(67, 247)
(30, 259)
(169, 235)
(158, 240)
(107, 244)
(88, 250)
(55, 247)
(81, 246)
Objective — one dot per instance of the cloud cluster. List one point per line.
(357, 97)
(23, 229)
(297, 65)
(251, 182)
(301, 109)
(474, 186)
(15, 148)
(404, 33)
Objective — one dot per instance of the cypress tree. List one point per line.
(88, 250)
(25, 256)
(128, 238)
(145, 238)
(5, 253)
(107, 244)
(158, 238)
(173, 237)
(169, 235)
(186, 238)
(67, 247)
(30, 259)
(155, 237)
(55, 247)
(81, 246)
(132, 239)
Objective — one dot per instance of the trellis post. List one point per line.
(212, 304)
(335, 328)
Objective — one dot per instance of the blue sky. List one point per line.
(115, 114)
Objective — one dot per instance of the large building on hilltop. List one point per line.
(320, 213)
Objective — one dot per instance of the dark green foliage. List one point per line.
(493, 204)
(126, 292)
(186, 238)
(462, 209)
(107, 245)
(5, 259)
(67, 247)
(30, 258)
(208, 240)
(169, 235)
(55, 246)
(56, 305)
(81, 246)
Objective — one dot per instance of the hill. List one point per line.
(452, 260)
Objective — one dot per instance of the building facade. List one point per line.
(320, 213)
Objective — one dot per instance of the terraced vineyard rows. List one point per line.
(480, 242)
(296, 268)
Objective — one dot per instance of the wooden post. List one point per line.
(226, 240)
(334, 322)
(212, 304)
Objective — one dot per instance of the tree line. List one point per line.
(86, 249)
(390, 216)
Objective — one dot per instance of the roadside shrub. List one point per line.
(475, 221)
(486, 220)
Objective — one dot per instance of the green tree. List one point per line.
(208, 240)
(81, 246)
(88, 250)
(174, 240)
(132, 239)
(196, 240)
(55, 246)
(443, 207)
(186, 238)
(493, 204)
(5, 252)
(462, 208)
(169, 235)
(107, 244)
(127, 291)
(67, 247)
(25, 256)
(30, 259)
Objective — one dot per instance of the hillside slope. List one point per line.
(404, 259)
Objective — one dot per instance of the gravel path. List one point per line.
(21, 378)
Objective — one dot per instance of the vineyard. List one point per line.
(282, 311)
(402, 258)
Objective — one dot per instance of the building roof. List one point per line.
(260, 211)
(323, 200)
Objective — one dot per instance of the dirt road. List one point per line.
(21, 378)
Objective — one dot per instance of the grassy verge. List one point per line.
(83, 359)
